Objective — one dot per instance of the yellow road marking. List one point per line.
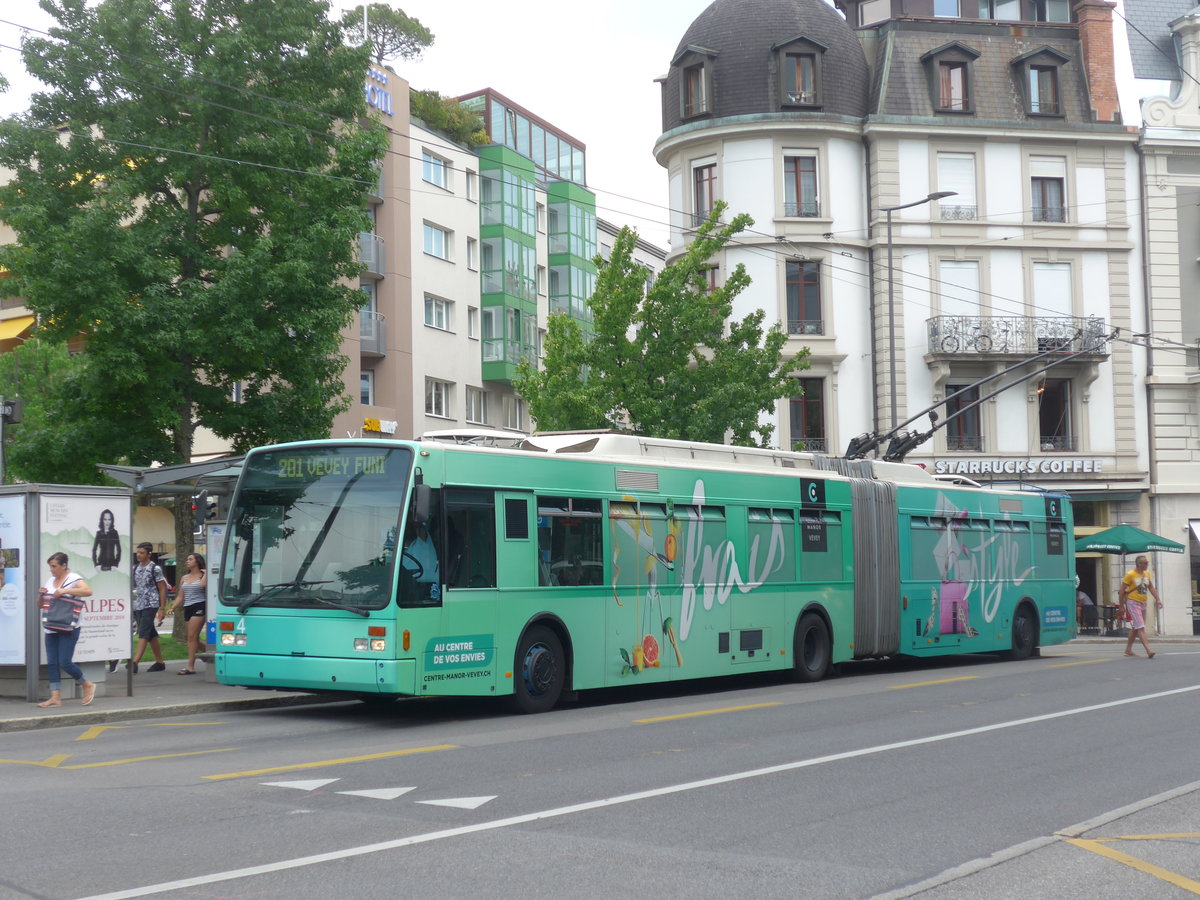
(705, 712)
(50, 762)
(330, 762)
(1078, 662)
(1098, 847)
(96, 730)
(137, 759)
(900, 687)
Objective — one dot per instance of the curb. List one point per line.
(101, 716)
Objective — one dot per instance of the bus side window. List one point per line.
(470, 537)
(570, 541)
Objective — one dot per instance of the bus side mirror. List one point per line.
(421, 503)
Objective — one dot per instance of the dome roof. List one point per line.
(741, 41)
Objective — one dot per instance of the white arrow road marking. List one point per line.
(302, 785)
(460, 802)
(381, 793)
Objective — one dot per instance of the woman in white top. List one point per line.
(60, 645)
(193, 592)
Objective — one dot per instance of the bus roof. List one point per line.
(648, 450)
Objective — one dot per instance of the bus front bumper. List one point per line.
(318, 673)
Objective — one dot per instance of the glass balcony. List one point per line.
(372, 333)
(370, 253)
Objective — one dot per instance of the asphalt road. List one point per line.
(1073, 775)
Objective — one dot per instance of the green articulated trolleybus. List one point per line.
(549, 564)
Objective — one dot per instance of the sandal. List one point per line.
(186, 672)
(1150, 655)
(89, 693)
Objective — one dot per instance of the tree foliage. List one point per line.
(44, 447)
(667, 361)
(187, 195)
(448, 116)
(391, 33)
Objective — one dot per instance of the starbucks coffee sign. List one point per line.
(1042, 465)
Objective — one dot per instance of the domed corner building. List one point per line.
(816, 119)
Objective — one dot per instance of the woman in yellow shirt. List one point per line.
(1135, 587)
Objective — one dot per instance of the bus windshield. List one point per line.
(316, 526)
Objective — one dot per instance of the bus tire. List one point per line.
(1024, 633)
(539, 671)
(810, 649)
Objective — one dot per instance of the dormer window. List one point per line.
(949, 70)
(1039, 75)
(695, 66)
(799, 64)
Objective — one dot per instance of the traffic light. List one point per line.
(199, 511)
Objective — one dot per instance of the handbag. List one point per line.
(61, 613)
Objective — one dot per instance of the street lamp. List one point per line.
(938, 195)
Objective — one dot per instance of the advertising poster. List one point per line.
(12, 580)
(95, 533)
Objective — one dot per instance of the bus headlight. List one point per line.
(376, 645)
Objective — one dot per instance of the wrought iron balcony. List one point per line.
(968, 443)
(957, 212)
(1057, 442)
(1016, 336)
(806, 326)
(810, 444)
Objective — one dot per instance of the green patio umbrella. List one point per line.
(1123, 539)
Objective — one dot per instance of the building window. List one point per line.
(472, 254)
(946, 9)
(959, 288)
(963, 429)
(366, 387)
(437, 398)
(1048, 175)
(477, 406)
(800, 186)
(1037, 76)
(473, 322)
(514, 413)
(438, 313)
(1052, 11)
(956, 172)
(804, 298)
(434, 169)
(1054, 415)
(437, 241)
(807, 410)
(695, 90)
(1053, 295)
(1043, 90)
(800, 79)
(710, 278)
(472, 185)
(704, 192)
(949, 70)
(952, 86)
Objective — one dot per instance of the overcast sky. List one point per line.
(530, 51)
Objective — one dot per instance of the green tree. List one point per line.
(391, 33)
(187, 195)
(667, 361)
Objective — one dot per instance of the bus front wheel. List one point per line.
(1024, 633)
(539, 671)
(811, 649)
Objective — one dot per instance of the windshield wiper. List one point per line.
(333, 604)
(272, 589)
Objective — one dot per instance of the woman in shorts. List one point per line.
(193, 592)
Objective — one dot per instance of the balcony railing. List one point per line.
(801, 208)
(810, 444)
(372, 333)
(1016, 335)
(1057, 442)
(806, 326)
(1049, 214)
(370, 252)
(958, 212)
(964, 443)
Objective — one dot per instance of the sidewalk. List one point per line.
(161, 694)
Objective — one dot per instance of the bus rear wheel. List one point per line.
(1024, 633)
(810, 649)
(538, 670)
